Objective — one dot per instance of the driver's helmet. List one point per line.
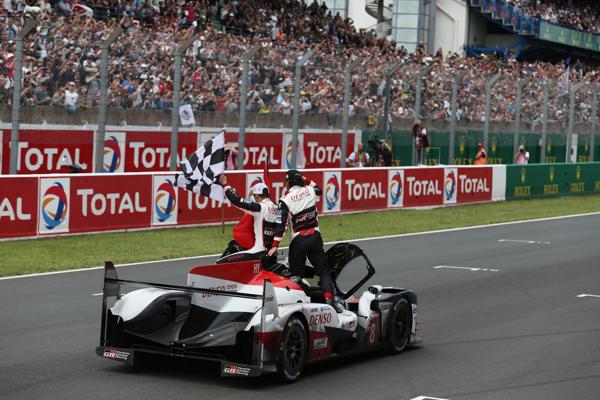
(294, 178)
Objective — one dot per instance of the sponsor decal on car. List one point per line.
(232, 369)
(320, 319)
(116, 354)
(320, 343)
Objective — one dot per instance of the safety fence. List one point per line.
(58, 204)
(52, 148)
(499, 151)
(44, 205)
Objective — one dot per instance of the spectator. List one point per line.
(480, 156)
(522, 156)
(421, 141)
(359, 158)
(71, 97)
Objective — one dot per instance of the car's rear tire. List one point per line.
(293, 350)
(399, 326)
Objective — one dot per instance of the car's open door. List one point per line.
(351, 268)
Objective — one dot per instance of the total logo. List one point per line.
(395, 179)
(450, 175)
(54, 205)
(165, 201)
(114, 149)
(332, 193)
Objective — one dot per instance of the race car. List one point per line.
(255, 321)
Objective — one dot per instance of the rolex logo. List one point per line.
(523, 175)
(551, 174)
(461, 144)
(578, 172)
(494, 144)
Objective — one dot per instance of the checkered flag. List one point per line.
(203, 167)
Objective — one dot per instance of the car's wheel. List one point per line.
(399, 326)
(293, 350)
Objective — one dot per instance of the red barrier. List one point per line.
(44, 151)
(151, 151)
(18, 206)
(58, 204)
(105, 203)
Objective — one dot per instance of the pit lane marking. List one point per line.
(427, 398)
(588, 295)
(524, 241)
(97, 294)
(472, 269)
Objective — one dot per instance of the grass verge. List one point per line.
(54, 254)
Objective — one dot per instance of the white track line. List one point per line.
(588, 295)
(327, 243)
(523, 241)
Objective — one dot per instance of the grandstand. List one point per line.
(522, 39)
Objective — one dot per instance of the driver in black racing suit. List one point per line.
(300, 204)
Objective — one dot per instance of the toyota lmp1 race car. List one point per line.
(253, 321)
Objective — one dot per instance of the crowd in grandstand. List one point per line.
(583, 15)
(62, 62)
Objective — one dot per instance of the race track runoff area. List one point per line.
(507, 312)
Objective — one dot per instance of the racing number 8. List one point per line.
(372, 333)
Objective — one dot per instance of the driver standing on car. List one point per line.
(299, 204)
(264, 211)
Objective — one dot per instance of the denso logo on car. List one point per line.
(320, 319)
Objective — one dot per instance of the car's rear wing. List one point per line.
(112, 288)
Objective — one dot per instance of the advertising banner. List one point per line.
(474, 184)
(395, 193)
(364, 189)
(18, 206)
(164, 200)
(324, 150)
(423, 187)
(259, 146)
(54, 205)
(114, 152)
(526, 181)
(148, 151)
(103, 202)
(569, 37)
(450, 185)
(45, 151)
(196, 209)
(332, 191)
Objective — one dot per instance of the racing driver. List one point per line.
(300, 204)
(264, 212)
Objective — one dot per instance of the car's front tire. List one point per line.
(399, 326)
(293, 350)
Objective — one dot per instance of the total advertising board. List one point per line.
(44, 205)
(46, 151)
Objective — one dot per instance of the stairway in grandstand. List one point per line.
(383, 28)
(507, 16)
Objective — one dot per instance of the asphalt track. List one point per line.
(519, 332)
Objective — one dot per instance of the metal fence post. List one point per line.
(388, 100)
(574, 89)
(547, 85)
(453, 111)
(249, 55)
(296, 117)
(420, 76)
(103, 95)
(16, 98)
(488, 108)
(594, 122)
(518, 103)
(176, 99)
(346, 112)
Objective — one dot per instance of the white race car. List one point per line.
(253, 320)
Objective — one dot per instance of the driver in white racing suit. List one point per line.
(265, 214)
(299, 203)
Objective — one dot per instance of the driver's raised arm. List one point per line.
(280, 224)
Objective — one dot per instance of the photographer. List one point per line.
(522, 156)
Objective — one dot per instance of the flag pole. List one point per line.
(223, 217)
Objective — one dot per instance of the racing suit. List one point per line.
(265, 214)
(299, 204)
